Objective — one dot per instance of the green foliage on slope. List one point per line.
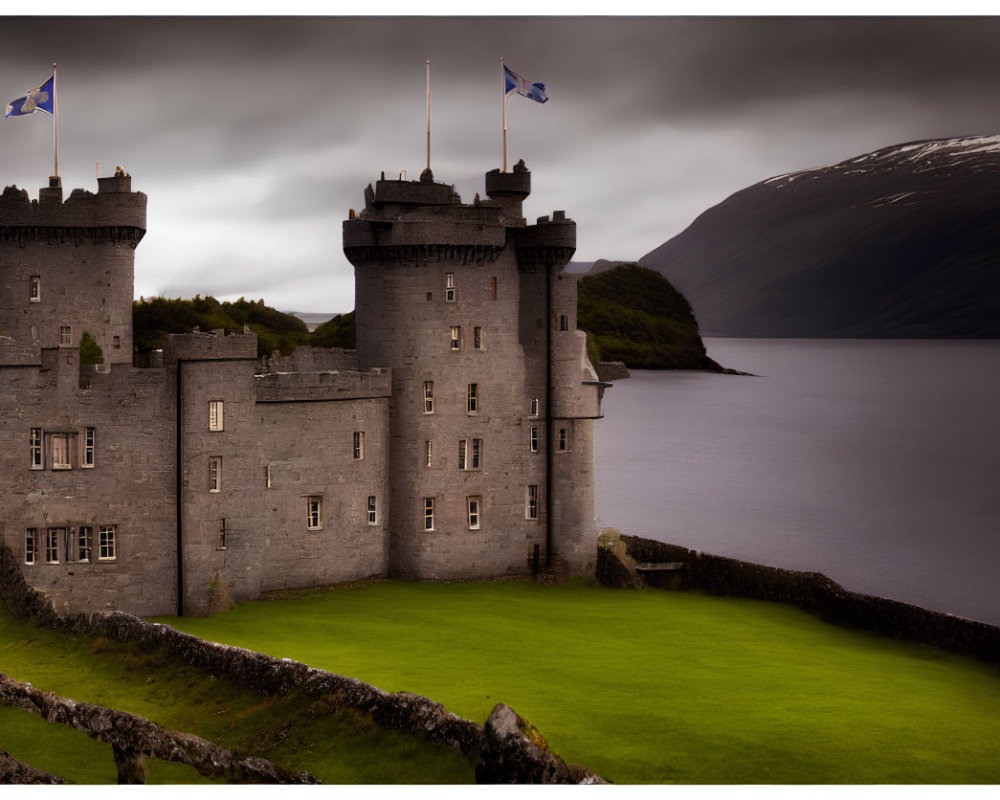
(635, 315)
(337, 332)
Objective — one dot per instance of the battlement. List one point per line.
(114, 213)
(299, 387)
(214, 346)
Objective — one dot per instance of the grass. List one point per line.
(649, 686)
(296, 732)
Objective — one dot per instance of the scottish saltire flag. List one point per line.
(40, 99)
(515, 83)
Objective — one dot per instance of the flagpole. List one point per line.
(428, 113)
(503, 91)
(55, 119)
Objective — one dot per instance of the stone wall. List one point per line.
(625, 560)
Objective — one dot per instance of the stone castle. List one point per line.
(455, 443)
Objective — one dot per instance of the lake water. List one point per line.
(874, 462)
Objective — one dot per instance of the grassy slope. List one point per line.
(652, 686)
(338, 748)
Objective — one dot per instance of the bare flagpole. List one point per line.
(503, 92)
(55, 118)
(428, 113)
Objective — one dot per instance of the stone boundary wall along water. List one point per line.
(631, 561)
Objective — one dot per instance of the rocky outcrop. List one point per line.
(13, 771)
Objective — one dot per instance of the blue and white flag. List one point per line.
(40, 99)
(515, 83)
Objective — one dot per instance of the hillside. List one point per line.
(903, 242)
(635, 315)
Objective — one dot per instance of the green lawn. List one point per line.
(650, 686)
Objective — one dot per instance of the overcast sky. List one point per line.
(254, 137)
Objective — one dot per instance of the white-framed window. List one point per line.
(456, 337)
(533, 438)
(35, 289)
(428, 513)
(449, 287)
(65, 334)
(314, 512)
(60, 451)
(52, 537)
(563, 439)
(477, 338)
(372, 510)
(215, 421)
(359, 444)
(429, 446)
(477, 453)
(215, 474)
(89, 442)
(30, 545)
(463, 453)
(533, 407)
(267, 476)
(428, 397)
(531, 503)
(470, 453)
(107, 547)
(35, 448)
(473, 508)
(472, 398)
(84, 541)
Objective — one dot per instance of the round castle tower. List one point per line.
(491, 451)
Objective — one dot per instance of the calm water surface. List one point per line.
(874, 462)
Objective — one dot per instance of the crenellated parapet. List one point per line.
(549, 243)
(216, 345)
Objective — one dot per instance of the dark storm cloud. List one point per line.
(253, 137)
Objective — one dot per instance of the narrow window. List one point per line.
(372, 510)
(428, 397)
(534, 407)
(84, 539)
(89, 439)
(533, 438)
(60, 451)
(463, 452)
(65, 334)
(449, 287)
(359, 444)
(477, 453)
(267, 476)
(215, 415)
(314, 512)
(531, 507)
(30, 545)
(473, 505)
(35, 447)
(215, 474)
(430, 449)
(472, 398)
(493, 288)
(563, 439)
(35, 289)
(456, 337)
(428, 513)
(52, 545)
(477, 338)
(106, 545)
(563, 322)
(116, 342)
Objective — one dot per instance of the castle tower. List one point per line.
(67, 267)
(491, 450)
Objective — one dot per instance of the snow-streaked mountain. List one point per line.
(902, 242)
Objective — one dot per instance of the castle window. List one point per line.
(116, 342)
(60, 451)
(477, 453)
(449, 287)
(89, 439)
(473, 507)
(35, 448)
(215, 415)
(359, 444)
(428, 513)
(372, 510)
(65, 334)
(531, 506)
(470, 453)
(430, 448)
(456, 337)
(35, 289)
(534, 407)
(215, 474)
(84, 537)
(30, 545)
(477, 338)
(563, 439)
(314, 512)
(533, 438)
(493, 288)
(463, 453)
(267, 476)
(428, 397)
(472, 398)
(106, 545)
(563, 322)
(52, 537)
